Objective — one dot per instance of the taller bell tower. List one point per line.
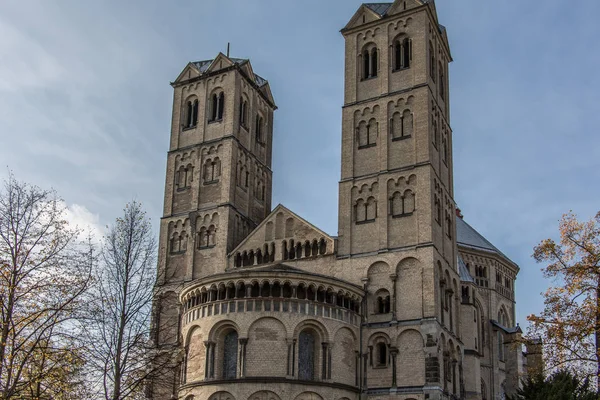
(396, 188)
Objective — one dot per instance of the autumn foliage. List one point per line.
(570, 322)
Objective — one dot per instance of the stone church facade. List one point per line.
(408, 302)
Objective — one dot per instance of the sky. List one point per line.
(85, 105)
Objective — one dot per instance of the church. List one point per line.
(407, 302)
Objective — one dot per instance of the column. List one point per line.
(325, 361)
(242, 368)
(209, 360)
(394, 353)
(393, 308)
(290, 356)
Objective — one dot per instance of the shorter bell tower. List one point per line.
(218, 181)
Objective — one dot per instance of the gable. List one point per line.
(220, 62)
(282, 229)
(367, 13)
(403, 5)
(190, 71)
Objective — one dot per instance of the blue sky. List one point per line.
(85, 105)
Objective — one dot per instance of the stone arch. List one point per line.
(264, 395)
(308, 396)
(344, 349)
(408, 277)
(266, 347)
(221, 396)
(195, 355)
(410, 346)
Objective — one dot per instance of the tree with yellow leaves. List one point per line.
(44, 272)
(570, 323)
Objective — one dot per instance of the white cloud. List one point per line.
(79, 216)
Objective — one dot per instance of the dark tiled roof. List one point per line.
(465, 275)
(467, 236)
(204, 65)
(379, 8)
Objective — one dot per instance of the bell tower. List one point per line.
(396, 188)
(217, 189)
(218, 185)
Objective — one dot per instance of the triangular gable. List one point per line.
(266, 90)
(283, 225)
(362, 16)
(220, 62)
(190, 71)
(247, 68)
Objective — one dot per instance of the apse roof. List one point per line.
(463, 271)
(467, 236)
(204, 65)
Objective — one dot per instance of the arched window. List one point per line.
(402, 53)
(374, 62)
(243, 112)
(203, 238)
(259, 129)
(212, 170)
(230, 351)
(431, 62)
(184, 177)
(360, 211)
(370, 62)
(216, 107)
(382, 354)
(306, 355)
(402, 205)
(191, 114)
(436, 138)
(401, 125)
(371, 209)
(444, 150)
(438, 210)
(442, 83)
(383, 302)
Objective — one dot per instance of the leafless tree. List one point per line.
(120, 323)
(44, 271)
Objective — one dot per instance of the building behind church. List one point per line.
(408, 302)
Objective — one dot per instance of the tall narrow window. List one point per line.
(243, 112)
(217, 104)
(398, 64)
(382, 356)
(259, 129)
(230, 350)
(306, 356)
(189, 112)
(442, 83)
(431, 62)
(366, 62)
(407, 124)
(406, 52)
(374, 63)
(370, 62)
(402, 53)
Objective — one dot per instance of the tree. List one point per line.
(562, 385)
(44, 272)
(119, 323)
(570, 323)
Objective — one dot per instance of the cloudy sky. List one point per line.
(85, 105)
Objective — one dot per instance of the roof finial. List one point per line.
(227, 49)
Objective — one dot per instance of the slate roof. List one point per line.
(379, 8)
(382, 8)
(468, 237)
(204, 65)
(465, 275)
